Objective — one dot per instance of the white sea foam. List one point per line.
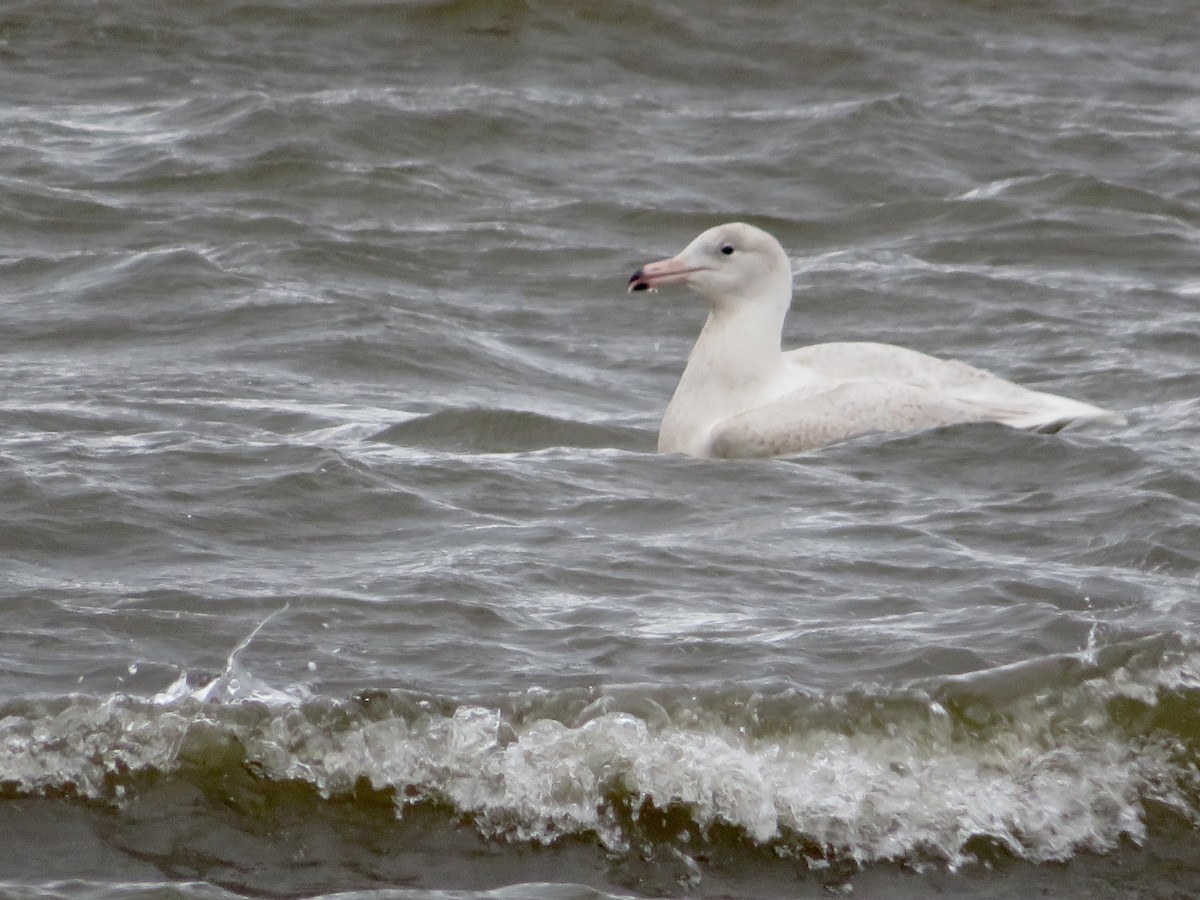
(872, 796)
(1044, 778)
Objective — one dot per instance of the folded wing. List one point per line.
(807, 419)
(887, 389)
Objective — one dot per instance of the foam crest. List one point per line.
(871, 796)
(1041, 776)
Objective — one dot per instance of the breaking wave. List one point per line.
(1039, 761)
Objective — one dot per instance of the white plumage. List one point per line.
(740, 395)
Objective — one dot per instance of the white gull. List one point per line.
(740, 395)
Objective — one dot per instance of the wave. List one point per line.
(509, 431)
(1039, 761)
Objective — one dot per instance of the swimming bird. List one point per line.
(740, 395)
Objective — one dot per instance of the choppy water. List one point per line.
(337, 557)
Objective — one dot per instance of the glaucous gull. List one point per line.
(740, 395)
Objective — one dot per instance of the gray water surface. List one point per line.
(336, 553)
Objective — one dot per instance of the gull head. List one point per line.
(731, 263)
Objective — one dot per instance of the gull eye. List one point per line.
(727, 249)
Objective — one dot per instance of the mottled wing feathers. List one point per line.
(807, 419)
